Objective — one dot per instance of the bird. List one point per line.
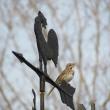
(66, 75)
(48, 50)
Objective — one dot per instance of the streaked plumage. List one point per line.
(66, 75)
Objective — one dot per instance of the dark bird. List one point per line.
(48, 50)
(66, 75)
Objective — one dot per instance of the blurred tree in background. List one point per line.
(83, 29)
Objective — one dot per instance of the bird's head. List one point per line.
(42, 19)
(70, 66)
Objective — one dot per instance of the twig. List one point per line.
(34, 100)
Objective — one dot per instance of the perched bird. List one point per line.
(66, 75)
(48, 50)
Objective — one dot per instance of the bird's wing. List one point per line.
(53, 45)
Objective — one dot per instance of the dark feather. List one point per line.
(53, 45)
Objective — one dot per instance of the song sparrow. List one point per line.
(66, 75)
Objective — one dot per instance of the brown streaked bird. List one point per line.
(66, 75)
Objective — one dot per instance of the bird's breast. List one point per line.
(70, 77)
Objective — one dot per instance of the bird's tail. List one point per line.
(50, 91)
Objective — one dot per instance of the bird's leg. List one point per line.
(40, 62)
